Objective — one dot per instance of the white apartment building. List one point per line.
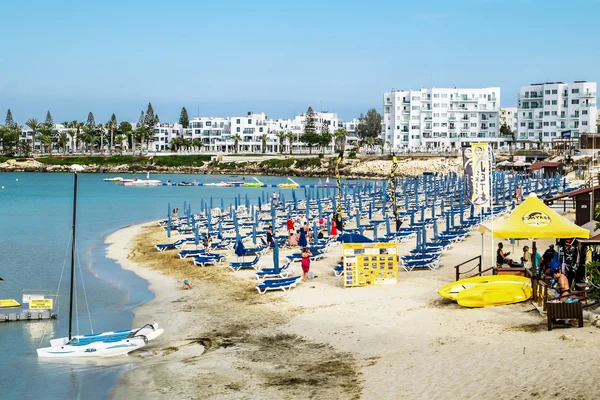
(508, 116)
(163, 134)
(546, 110)
(417, 120)
(212, 132)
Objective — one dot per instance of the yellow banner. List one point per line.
(481, 174)
(368, 264)
(45, 304)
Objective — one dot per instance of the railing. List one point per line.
(478, 267)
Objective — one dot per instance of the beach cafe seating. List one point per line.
(284, 284)
(284, 272)
(256, 263)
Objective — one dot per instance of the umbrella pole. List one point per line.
(533, 258)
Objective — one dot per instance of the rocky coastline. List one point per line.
(359, 168)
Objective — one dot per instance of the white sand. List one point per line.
(405, 340)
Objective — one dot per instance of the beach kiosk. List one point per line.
(532, 220)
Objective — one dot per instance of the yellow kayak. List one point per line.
(7, 303)
(495, 294)
(451, 290)
(288, 186)
(254, 184)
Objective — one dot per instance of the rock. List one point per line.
(568, 338)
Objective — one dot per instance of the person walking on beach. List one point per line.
(269, 233)
(207, 242)
(175, 210)
(290, 225)
(333, 232)
(306, 254)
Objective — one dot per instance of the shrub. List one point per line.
(276, 163)
(352, 154)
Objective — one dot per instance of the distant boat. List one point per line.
(115, 179)
(292, 185)
(107, 344)
(140, 182)
(254, 184)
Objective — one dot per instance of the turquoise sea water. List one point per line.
(35, 223)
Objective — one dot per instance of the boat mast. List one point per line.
(73, 254)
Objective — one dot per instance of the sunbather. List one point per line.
(186, 285)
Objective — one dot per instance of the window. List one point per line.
(414, 127)
(584, 112)
(522, 123)
(436, 115)
(436, 96)
(547, 92)
(554, 102)
(525, 105)
(436, 105)
(415, 118)
(492, 124)
(208, 123)
(547, 102)
(237, 121)
(553, 134)
(415, 108)
(249, 122)
(553, 123)
(554, 112)
(473, 124)
(436, 124)
(530, 125)
(546, 134)
(574, 101)
(554, 91)
(546, 112)
(444, 95)
(260, 129)
(576, 124)
(583, 123)
(573, 91)
(546, 123)
(238, 129)
(444, 115)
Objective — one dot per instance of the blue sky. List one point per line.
(279, 57)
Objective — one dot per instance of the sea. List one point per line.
(35, 232)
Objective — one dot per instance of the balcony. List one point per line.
(451, 118)
(539, 127)
(426, 99)
(464, 99)
(406, 101)
(532, 95)
(428, 118)
(484, 127)
(527, 116)
(427, 135)
(574, 116)
(588, 94)
(451, 128)
(588, 105)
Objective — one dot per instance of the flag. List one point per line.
(481, 172)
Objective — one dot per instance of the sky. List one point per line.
(225, 58)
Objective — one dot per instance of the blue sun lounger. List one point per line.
(338, 270)
(284, 272)
(284, 284)
(190, 253)
(202, 261)
(256, 264)
(168, 246)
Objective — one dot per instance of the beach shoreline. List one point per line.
(222, 340)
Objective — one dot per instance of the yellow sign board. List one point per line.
(44, 304)
(369, 264)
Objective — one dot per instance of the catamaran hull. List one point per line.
(150, 331)
(94, 349)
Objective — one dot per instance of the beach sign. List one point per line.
(40, 304)
(370, 264)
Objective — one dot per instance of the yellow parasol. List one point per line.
(534, 219)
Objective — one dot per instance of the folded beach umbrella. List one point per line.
(169, 220)
(388, 229)
(259, 203)
(370, 211)
(328, 225)
(435, 230)
(196, 235)
(254, 233)
(235, 199)
(202, 203)
(247, 203)
(220, 229)
(222, 206)
(239, 248)
(211, 203)
(276, 256)
(315, 230)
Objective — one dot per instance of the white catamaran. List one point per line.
(106, 344)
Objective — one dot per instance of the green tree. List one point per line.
(236, 141)
(91, 122)
(101, 131)
(88, 137)
(141, 120)
(281, 135)
(63, 139)
(309, 124)
(184, 120)
(9, 119)
(326, 137)
(310, 139)
(291, 139)
(34, 125)
(46, 141)
(112, 127)
(370, 142)
(150, 119)
(176, 143)
(141, 133)
(263, 139)
(73, 135)
(369, 125)
(196, 144)
(126, 129)
(9, 136)
(49, 121)
(340, 136)
(119, 139)
(508, 133)
(187, 143)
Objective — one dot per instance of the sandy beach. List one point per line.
(224, 341)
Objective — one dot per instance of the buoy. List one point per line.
(17, 179)
(2, 187)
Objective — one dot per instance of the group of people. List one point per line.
(547, 265)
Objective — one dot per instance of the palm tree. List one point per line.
(389, 145)
(176, 143)
(73, 134)
(101, 131)
(119, 139)
(34, 125)
(291, 139)
(281, 136)
(112, 127)
(236, 141)
(340, 136)
(46, 137)
(88, 137)
(63, 139)
(196, 143)
(187, 143)
(263, 139)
